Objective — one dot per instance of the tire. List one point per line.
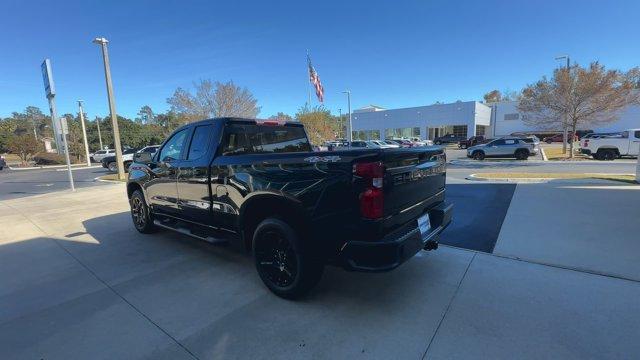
(141, 214)
(478, 155)
(609, 155)
(463, 146)
(282, 262)
(112, 166)
(548, 141)
(522, 154)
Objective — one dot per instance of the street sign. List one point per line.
(64, 128)
(47, 78)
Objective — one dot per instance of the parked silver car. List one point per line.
(504, 148)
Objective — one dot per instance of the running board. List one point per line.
(186, 231)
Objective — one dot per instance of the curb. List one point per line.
(80, 168)
(477, 177)
(544, 154)
(108, 181)
(50, 167)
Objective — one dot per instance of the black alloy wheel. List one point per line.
(283, 265)
(140, 213)
(478, 155)
(277, 259)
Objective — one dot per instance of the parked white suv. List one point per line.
(101, 154)
(612, 146)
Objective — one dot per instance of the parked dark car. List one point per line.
(559, 138)
(448, 139)
(472, 141)
(259, 184)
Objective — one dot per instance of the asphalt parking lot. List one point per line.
(480, 210)
(95, 288)
(21, 183)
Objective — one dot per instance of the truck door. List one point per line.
(194, 197)
(634, 143)
(162, 192)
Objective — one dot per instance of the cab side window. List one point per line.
(199, 142)
(173, 148)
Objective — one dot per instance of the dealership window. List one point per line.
(480, 130)
(512, 116)
(366, 135)
(402, 133)
(460, 130)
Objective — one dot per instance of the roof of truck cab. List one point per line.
(243, 120)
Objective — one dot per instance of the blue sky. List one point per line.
(389, 53)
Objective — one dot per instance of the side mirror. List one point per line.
(143, 157)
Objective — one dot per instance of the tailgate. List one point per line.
(411, 177)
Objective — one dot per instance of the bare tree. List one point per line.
(492, 96)
(280, 116)
(213, 100)
(510, 95)
(581, 97)
(231, 100)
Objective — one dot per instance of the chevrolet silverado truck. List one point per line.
(613, 145)
(260, 185)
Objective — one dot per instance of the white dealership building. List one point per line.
(462, 118)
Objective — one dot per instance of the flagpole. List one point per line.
(308, 82)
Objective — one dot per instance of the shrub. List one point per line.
(45, 158)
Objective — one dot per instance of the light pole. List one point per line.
(84, 133)
(350, 132)
(112, 105)
(341, 122)
(565, 135)
(99, 136)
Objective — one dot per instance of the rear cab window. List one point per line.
(242, 139)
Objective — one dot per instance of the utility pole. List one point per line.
(341, 123)
(99, 136)
(112, 104)
(84, 133)
(350, 131)
(565, 134)
(64, 130)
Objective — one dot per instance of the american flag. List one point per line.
(315, 80)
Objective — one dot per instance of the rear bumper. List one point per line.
(397, 247)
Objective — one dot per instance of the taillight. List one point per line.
(372, 199)
(586, 142)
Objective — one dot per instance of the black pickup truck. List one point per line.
(259, 183)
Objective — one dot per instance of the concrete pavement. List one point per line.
(588, 225)
(77, 281)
